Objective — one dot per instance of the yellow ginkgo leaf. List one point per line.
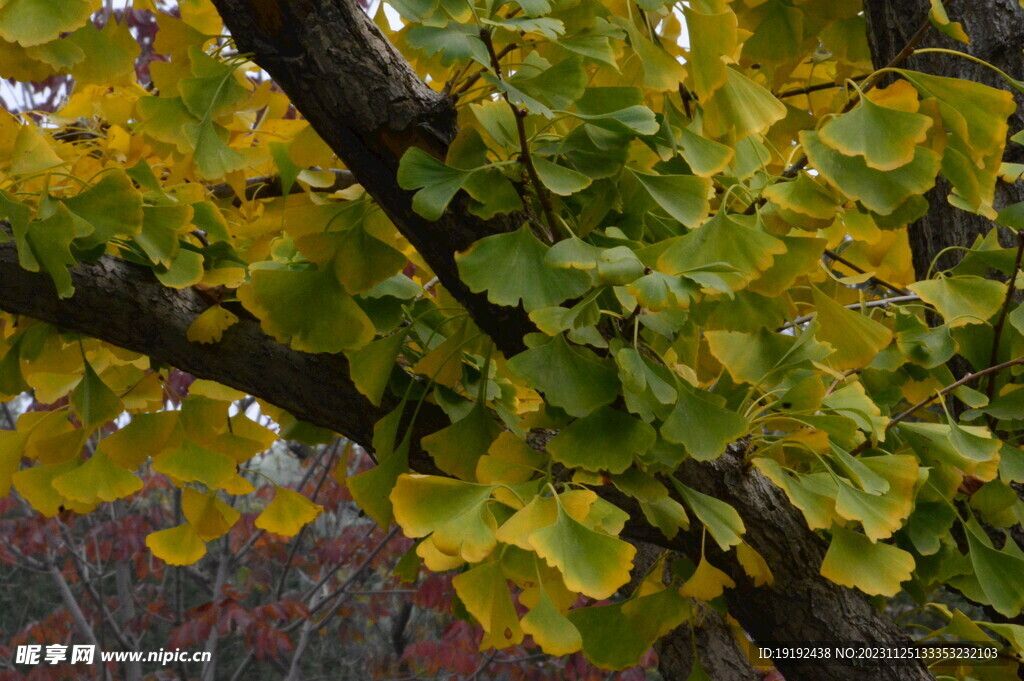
(884, 137)
(287, 513)
(754, 565)
(208, 515)
(707, 582)
(36, 486)
(98, 479)
(856, 337)
(484, 592)
(550, 629)
(875, 568)
(32, 153)
(179, 545)
(209, 326)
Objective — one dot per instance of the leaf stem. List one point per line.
(875, 280)
(520, 114)
(990, 385)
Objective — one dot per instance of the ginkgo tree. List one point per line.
(584, 276)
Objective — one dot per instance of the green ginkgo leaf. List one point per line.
(559, 179)
(457, 448)
(213, 157)
(572, 378)
(756, 357)
(188, 462)
(591, 562)
(371, 365)
(805, 196)
(511, 268)
(33, 22)
(160, 228)
(437, 183)
(50, 242)
(1000, 574)
(95, 403)
(605, 440)
(705, 157)
(875, 568)
(720, 519)
(886, 138)
(684, 197)
(701, 424)
(962, 300)
(308, 309)
(881, 191)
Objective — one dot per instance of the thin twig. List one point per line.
(945, 391)
(884, 302)
(796, 92)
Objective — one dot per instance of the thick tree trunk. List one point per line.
(996, 29)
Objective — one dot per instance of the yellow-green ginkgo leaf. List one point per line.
(436, 182)
(188, 462)
(455, 512)
(98, 479)
(371, 489)
(485, 593)
(704, 156)
(805, 196)
(370, 366)
(287, 513)
(308, 309)
(605, 440)
(886, 138)
(755, 357)
(179, 545)
(32, 153)
(707, 582)
(50, 241)
(875, 568)
(146, 435)
(723, 240)
(881, 515)
(35, 485)
(111, 51)
(1000, 574)
(12, 449)
(856, 337)
(592, 563)
(542, 512)
(213, 157)
(572, 378)
(210, 325)
(815, 501)
(33, 22)
(207, 514)
(95, 403)
(881, 191)
(802, 255)
(684, 197)
(457, 448)
(550, 629)
(712, 36)
(721, 519)
(112, 206)
(160, 228)
(962, 300)
(510, 267)
(701, 424)
(740, 108)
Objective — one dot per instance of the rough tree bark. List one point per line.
(996, 29)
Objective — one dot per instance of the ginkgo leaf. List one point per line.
(712, 36)
(112, 206)
(32, 153)
(572, 378)
(213, 157)
(510, 267)
(371, 365)
(962, 300)
(741, 107)
(145, 435)
(707, 582)
(542, 512)
(559, 179)
(592, 563)
(287, 513)
(33, 22)
(484, 592)
(705, 157)
(606, 439)
(308, 309)
(160, 228)
(684, 197)
(455, 512)
(457, 448)
(436, 182)
(880, 514)
(550, 629)
(881, 191)
(371, 489)
(721, 519)
(1000, 575)
(188, 462)
(856, 337)
(207, 514)
(112, 53)
(701, 424)
(875, 568)
(95, 403)
(35, 485)
(50, 241)
(755, 357)
(12, 449)
(886, 138)
(98, 479)
(210, 325)
(179, 545)
(805, 196)
(754, 565)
